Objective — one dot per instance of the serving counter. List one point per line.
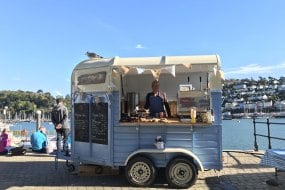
(164, 122)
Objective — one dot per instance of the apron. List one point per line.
(155, 105)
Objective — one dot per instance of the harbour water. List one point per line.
(31, 127)
(237, 134)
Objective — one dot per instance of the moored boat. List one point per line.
(227, 116)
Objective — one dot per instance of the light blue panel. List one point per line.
(212, 159)
(126, 141)
(209, 157)
(120, 158)
(207, 130)
(211, 165)
(205, 137)
(101, 153)
(120, 144)
(116, 114)
(158, 159)
(119, 130)
(217, 106)
(80, 149)
(120, 155)
(126, 136)
(202, 144)
(182, 137)
(206, 151)
(179, 136)
(148, 135)
(179, 144)
(104, 153)
(207, 146)
(151, 129)
(178, 129)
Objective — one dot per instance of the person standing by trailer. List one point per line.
(60, 121)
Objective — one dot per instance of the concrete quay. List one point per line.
(37, 171)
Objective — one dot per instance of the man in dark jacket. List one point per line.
(156, 102)
(60, 121)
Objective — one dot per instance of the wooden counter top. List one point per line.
(163, 122)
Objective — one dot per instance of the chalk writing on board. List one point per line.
(99, 123)
(81, 122)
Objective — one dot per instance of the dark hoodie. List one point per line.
(60, 115)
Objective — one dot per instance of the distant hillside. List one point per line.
(27, 103)
(228, 87)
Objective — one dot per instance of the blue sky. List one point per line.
(42, 41)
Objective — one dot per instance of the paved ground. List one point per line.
(35, 171)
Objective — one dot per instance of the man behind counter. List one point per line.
(156, 102)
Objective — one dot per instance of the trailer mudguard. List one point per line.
(167, 150)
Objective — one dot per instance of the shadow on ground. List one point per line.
(42, 173)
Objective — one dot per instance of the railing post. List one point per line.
(254, 133)
(268, 134)
(38, 113)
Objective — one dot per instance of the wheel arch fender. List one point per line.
(179, 151)
(190, 156)
(139, 154)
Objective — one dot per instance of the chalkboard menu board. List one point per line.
(81, 122)
(99, 123)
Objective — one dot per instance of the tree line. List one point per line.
(27, 103)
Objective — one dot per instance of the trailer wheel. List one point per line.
(140, 171)
(181, 173)
(70, 168)
(24, 151)
(98, 169)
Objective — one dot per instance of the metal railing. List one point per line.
(268, 123)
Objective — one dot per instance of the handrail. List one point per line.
(268, 133)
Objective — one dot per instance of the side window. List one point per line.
(94, 78)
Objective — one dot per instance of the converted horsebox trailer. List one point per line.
(110, 126)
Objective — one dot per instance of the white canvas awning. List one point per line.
(193, 63)
(174, 66)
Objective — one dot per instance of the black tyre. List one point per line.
(70, 168)
(99, 170)
(24, 151)
(181, 173)
(140, 171)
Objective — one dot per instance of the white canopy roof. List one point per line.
(196, 63)
(177, 66)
